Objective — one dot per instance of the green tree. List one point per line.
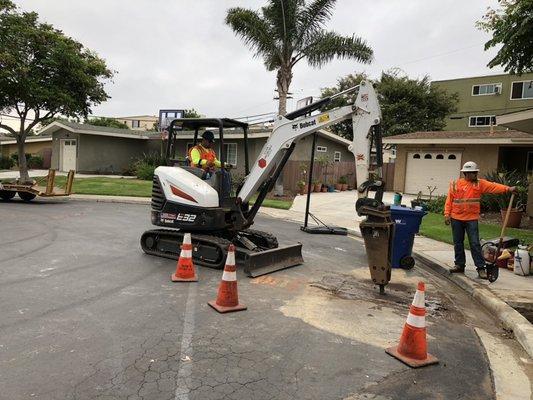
(407, 105)
(192, 113)
(285, 32)
(512, 27)
(43, 73)
(105, 121)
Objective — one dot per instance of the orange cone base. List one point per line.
(175, 278)
(413, 363)
(223, 309)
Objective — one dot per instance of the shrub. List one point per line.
(496, 202)
(436, 205)
(145, 171)
(144, 166)
(343, 180)
(35, 161)
(6, 162)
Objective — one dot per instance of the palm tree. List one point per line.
(287, 31)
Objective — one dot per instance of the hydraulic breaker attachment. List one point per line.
(378, 232)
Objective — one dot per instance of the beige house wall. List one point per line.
(485, 155)
(30, 148)
(146, 122)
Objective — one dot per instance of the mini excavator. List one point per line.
(184, 202)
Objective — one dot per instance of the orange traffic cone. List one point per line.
(185, 271)
(228, 299)
(412, 349)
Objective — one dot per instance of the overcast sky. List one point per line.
(180, 54)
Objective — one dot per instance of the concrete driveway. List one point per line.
(86, 315)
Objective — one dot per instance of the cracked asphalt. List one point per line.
(84, 314)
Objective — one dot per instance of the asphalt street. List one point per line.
(84, 314)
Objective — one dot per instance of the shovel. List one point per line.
(492, 268)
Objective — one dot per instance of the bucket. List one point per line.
(397, 199)
(521, 261)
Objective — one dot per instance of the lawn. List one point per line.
(134, 187)
(433, 227)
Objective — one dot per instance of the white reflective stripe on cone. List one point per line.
(186, 253)
(419, 300)
(187, 238)
(229, 276)
(416, 321)
(231, 258)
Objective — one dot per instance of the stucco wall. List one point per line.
(30, 148)
(56, 147)
(302, 152)
(485, 155)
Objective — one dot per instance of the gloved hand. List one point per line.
(447, 220)
(513, 189)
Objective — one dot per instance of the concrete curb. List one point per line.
(508, 316)
(111, 199)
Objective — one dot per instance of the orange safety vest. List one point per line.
(464, 198)
(205, 154)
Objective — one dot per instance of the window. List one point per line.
(321, 149)
(231, 153)
(439, 157)
(428, 157)
(135, 123)
(522, 90)
(416, 156)
(482, 120)
(337, 156)
(452, 157)
(487, 89)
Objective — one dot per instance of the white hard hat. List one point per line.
(470, 166)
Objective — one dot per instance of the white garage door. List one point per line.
(431, 169)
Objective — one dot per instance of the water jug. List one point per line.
(521, 261)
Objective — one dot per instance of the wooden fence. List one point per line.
(295, 171)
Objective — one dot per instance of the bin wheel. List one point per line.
(7, 194)
(407, 262)
(26, 196)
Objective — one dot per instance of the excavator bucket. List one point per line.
(267, 261)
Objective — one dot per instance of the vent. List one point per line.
(158, 197)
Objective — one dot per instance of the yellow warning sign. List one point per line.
(323, 118)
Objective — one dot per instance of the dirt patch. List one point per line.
(398, 295)
(494, 218)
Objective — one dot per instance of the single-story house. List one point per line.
(96, 149)
(35, 145)
(433, 159)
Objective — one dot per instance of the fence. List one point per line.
(295, 171)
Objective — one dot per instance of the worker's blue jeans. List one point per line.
(472, 231)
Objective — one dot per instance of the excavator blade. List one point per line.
(267, 261)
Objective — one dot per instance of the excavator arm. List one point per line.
(288, 130)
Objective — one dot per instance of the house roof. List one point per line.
(31, 139)
(98, 130)
(461, 137)
(521, 120)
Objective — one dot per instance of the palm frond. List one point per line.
(327, 45)
(282, 17)
(254, 30)
(313, 18)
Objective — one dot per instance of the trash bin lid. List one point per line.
(399, 210)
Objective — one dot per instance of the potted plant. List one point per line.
(515, 215)
(500, 202)
(331, 188)
(302, 187)
(344, 182)
(316, 185)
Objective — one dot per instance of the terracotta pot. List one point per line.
(344, 186)
(318, 186)
(324, 188)
(301, 190)
(515, 217)
(338, 186)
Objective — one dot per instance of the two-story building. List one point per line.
(493, 126)
(139, 122)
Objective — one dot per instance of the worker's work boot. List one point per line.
(482, 273)
(457, 269)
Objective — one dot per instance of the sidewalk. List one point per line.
(4, 174)
(500, 297)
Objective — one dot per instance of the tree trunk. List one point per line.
(283, 82)
(23, 166)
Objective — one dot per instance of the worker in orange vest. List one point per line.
(203, 156)
(462, 212)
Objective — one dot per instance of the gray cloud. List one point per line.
(180, 54)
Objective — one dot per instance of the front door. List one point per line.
(68, 154)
